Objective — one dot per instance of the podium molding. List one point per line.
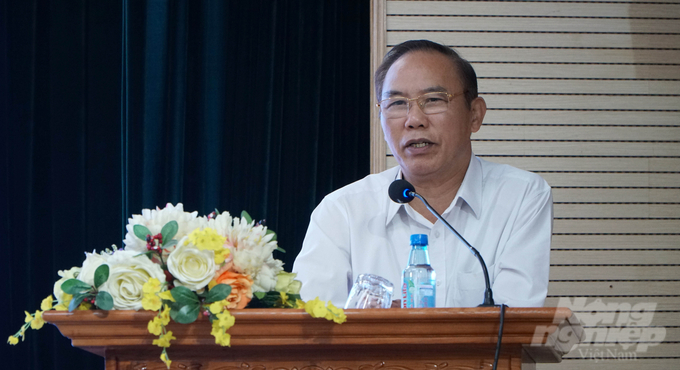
(286, 339)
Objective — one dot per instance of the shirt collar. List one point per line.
(470, 191)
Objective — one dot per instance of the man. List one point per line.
(428, 109)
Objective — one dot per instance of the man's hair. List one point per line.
(465, 71)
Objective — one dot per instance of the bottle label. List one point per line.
(426, 295)
(420, 296)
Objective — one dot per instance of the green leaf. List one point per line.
(294, 297)
(174, 306)
(169, 244)
(187, 314)
(270, 231)
(245, 215)
(259, 295)
(169, 231)
(202, 294)
(76, 300)
(184, 296)
(218, 293)
(141, 231)
(104, 301)
(280, 249)
(101, 274)
(74, 286)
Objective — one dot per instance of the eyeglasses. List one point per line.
(430, 103)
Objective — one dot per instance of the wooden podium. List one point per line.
(286, 339)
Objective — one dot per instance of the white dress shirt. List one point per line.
(504, 212)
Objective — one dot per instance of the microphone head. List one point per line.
(401, 191)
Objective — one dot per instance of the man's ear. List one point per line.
(478, 109)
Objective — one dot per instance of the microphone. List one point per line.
(401, 191)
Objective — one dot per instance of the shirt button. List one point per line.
(439, 282)
(436, 234)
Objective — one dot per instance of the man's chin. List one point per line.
(414, 170)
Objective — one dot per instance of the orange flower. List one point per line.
(241, 292)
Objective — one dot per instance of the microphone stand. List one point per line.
(488, 294)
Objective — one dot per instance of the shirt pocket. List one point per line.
(470, 287)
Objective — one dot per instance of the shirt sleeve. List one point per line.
(522, 272)
(323, 265)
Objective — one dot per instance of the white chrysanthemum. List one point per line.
(221, 224)
(155, 219)
(128, 271)
(252, 249)
(192, 267)
(267, 277)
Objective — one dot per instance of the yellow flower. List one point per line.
(153, 285)
(165, 359)
(209, 239)
(336, 314)
(299, 303)
(216, 328)
(221, 336)
(284, 298)
(46, 303)
(38, 321)
(84, 306)
(224, 340)
(28, 317)
(13, 340)
(164, 340)
(166, 295)
(226, 320)
(316, 308)
(155, 326)
(165, 316)
(151, 302)
(63, 305)
(217, 307)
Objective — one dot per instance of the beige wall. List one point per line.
(587, 94)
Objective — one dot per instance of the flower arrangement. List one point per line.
(181, 266)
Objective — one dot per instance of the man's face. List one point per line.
(435, 146)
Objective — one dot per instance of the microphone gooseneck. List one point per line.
(401, 191)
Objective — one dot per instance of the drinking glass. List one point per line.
(370, 291)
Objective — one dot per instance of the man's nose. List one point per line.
(415, 116)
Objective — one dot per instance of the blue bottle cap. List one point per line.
(419, 239)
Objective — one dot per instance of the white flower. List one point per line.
(267, 277)
(92, 261)
(155, 219)
(65, 275)
(128, 271)
(192, 267)
(252, 249)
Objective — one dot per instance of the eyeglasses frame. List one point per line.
(409, 100)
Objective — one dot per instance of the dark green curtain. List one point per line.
(108, 107)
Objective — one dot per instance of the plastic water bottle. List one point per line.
(419, 286)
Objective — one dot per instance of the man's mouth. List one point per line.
(419, 144)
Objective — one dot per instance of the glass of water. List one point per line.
(370, 291)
